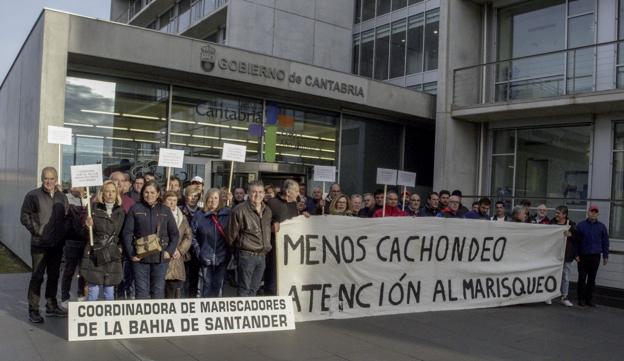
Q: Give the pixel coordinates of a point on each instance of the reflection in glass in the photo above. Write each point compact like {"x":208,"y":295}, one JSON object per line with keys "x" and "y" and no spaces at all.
{"x":368,"y":9}
{"x":398,"y":4}
{"x":356,"y":54}
{"x":616,"y":228}
{"x":580,"y":6}
{"x":358,"y":11}
{"x":415,"y":43}
{"x":431,"y":39}
{"x":397,"y":49}
{"x":366,"y":53}
{"x":382,"y":47}
{"x":202,"y":121}
{"x":366,"y":145}
{"x":305,"y":136}
{"x":383,"y":7}
{"x":118,"y":123}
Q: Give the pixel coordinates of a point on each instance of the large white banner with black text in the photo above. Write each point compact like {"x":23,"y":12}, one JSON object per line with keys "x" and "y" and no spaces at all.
{"x":343,"y":267}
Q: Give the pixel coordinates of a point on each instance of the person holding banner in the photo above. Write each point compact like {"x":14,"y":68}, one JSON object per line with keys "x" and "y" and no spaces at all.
{"x":482,"y":212}
{"x":192,"y":198}
{"x":452,"y":210}
{"x":430,"y":209}
{"x":176,"y":274}
{"x":43,"y":214}
{"x":209,"y":242}
{"x":392,"y":209}
{"x":153,"y":224}
{"x":249,"y":232}
{"x":413,"y":208}
{"x":283,"y":207}
{"x":101,"y":263}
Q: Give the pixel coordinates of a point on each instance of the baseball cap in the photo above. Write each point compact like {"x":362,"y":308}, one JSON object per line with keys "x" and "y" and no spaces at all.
{"x":594,"y":208}
{"x":197,"y":179}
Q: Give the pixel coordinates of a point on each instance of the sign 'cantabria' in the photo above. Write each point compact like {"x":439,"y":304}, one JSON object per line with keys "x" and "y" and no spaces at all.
{"x":344,"y":267}
{"x":296,"y":76}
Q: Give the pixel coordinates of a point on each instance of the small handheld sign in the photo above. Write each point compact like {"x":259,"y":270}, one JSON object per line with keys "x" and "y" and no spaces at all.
{"x":61,"y":136}
{"x":87,"y":176}
{"x":406,"y":179}
{"x":386,"y":177}
{"x":170,"y":158}
{"x":324,"y":173}
{"x":233,"y":153}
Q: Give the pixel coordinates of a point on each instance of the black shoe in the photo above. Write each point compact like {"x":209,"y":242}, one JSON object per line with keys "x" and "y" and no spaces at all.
{"x":590,"y":304}
{"x":55,"y":311}
{"x":581,"y":304}
{"x":35,"y":317}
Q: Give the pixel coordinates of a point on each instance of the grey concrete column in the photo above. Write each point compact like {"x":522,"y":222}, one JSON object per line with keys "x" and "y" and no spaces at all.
{"x":457,"y":141}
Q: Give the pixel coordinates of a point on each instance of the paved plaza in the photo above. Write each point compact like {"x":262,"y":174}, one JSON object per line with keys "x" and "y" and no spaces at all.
{"x":527,"y":332}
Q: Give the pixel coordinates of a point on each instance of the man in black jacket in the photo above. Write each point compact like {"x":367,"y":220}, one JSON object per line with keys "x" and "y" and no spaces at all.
{"x":43,"y":214}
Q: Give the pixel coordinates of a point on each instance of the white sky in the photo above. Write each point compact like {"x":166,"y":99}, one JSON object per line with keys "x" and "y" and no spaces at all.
{"x":18,"y":17}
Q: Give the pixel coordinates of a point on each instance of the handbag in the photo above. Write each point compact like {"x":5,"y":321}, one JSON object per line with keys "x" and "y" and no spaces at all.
{"x":148,"y":245}
{"x":107,"y":253}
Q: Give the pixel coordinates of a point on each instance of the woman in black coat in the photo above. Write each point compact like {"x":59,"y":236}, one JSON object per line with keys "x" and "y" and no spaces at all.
{"x":101,"y":263}
{"x":150,"y":217}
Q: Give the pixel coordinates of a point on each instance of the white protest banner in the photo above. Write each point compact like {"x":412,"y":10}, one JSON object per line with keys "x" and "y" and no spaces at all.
{"x":324,"y":173}
{"x":173,"y":158}
{"x":105,"y":320}
{"x":407,"y":179}
{"x":59,"y":135}
{"x":234,"y":152}
{"x":344,"y":267}
{"x":86,"y":175}
{"x":386,"y":176}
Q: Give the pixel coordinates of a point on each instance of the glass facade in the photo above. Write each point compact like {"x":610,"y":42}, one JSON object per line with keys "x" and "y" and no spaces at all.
{"x":616,"y":228}
{"x":406,"y":46}
{"x":543,"y":165}
{"x":118,"y":123}
{"x":122,"y":124}
{"x":539,"y":27}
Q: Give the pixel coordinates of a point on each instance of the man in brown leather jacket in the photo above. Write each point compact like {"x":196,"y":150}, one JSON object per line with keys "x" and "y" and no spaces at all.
{"x":249,"y":233}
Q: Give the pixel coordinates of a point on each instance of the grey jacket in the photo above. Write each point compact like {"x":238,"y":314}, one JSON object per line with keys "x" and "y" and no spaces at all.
{"x":44,"y":217}
{"x":249,"y":231}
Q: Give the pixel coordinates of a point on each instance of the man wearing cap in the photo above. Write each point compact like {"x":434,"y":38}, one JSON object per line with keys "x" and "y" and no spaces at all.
{"x":198,"y":181}
{"x":591,"y":240}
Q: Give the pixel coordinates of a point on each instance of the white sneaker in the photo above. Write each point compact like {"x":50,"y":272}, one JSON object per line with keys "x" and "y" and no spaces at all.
{"x":566,"y":302}
{"x":81,"y":299}
{"x":548,"y":302}
{"x":65,"y":304}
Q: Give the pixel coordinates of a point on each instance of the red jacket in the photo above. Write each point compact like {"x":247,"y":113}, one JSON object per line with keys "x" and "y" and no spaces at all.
{"x":390,"y":212}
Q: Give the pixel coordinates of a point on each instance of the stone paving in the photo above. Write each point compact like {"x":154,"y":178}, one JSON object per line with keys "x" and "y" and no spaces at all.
{"x":526,"y":332}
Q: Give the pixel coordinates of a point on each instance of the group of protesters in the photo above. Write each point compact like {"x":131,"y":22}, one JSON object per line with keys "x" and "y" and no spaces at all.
{"x":141,"y":241}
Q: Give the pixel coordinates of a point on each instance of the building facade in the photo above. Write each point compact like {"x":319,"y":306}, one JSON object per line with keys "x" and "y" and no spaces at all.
{"x":127,"y":91}
{"x":529,"y":106}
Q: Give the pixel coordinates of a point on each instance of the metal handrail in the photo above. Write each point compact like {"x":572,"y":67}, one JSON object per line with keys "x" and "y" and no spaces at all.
{"x":541,"y":54}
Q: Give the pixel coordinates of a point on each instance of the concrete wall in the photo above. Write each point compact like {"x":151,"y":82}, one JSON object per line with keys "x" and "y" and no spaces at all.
{"x":457,"y":141}
{"x":19,"y":121}
{"x":317,"y":32}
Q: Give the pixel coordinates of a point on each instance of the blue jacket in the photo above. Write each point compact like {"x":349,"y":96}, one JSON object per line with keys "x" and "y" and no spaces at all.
{"x":477,"y":215}
{"x":210,"y":246}
{"x":591,"y":238}
{"x":141,"y":221}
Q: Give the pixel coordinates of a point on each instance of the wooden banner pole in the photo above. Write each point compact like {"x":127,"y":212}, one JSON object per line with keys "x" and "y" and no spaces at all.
{"x":383,"y":212}
{"x":230,"y":182}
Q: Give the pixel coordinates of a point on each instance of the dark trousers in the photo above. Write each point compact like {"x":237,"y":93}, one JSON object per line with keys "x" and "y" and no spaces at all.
{"x":270,"y":274}
{"x":125,"y":289}
{"x":149,"y":280}
{"x":250,"y":272}
{"x":212,"y":279}
{"x":191,"y":284}
{"x":587,"y":270}
{"x":44,"y":261}
{"x":72,"y":255}
{"x":174,"y":288}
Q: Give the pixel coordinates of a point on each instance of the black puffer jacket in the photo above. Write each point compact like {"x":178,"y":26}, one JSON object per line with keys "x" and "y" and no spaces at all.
{"x":44,"y":217}
{"x":143,"y":220}
{"x":105,"y":229}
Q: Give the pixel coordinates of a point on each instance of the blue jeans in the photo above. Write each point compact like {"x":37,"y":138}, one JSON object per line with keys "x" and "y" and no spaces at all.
{"x":250,"y":272}
{"x":94,"y":292}
{"x":565,"y":278}
{"x":149,"y":280}
{"x":212,"y":279}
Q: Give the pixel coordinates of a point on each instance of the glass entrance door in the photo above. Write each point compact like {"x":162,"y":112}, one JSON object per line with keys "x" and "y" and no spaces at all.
{"x":194,"y":166}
